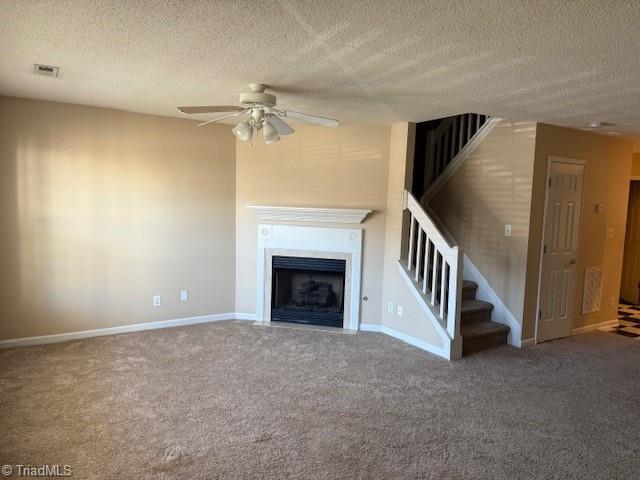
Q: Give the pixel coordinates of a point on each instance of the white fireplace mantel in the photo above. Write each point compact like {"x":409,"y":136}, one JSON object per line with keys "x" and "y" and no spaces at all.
{"x":266,"y":213}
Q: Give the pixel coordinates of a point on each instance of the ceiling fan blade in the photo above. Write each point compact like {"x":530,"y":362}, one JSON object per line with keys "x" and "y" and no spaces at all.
{"x":325,"y":122}
{"x":280,"y":125}
{"x":228,"y":115}
{"x":210,"y":109}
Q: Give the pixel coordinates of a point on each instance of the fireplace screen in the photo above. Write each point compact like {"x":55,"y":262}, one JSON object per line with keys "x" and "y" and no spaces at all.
{"x":308,"y":290}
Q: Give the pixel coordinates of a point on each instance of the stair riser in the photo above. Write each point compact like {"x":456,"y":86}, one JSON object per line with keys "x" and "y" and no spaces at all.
{"x":483,"y":342}
{"x":469,"y":293}
{"x":476,"y":316}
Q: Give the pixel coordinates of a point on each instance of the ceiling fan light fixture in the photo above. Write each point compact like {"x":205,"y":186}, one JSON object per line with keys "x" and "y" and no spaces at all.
{"x":243,"y":131}
{"x":271,"y":135}
{"x":264,"y":115}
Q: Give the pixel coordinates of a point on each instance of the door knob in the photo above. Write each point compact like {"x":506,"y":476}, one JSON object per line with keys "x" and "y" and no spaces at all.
{"x":573,"y":261}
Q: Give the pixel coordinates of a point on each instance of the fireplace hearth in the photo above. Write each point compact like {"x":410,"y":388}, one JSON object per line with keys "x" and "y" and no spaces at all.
{"x":308,"y":290}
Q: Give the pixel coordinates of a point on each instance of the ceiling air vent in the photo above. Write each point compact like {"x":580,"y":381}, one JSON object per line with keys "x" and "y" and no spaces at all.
{"x":45,"y":70}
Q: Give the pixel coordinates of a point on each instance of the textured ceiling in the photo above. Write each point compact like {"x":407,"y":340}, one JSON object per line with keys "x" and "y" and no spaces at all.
{"x":564,"y":62}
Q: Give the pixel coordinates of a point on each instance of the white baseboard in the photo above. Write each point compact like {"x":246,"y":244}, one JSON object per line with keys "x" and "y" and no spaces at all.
{"x":595,"y":326}
{"x":370,"y":327}
{"x":245,"y":316}
{"x":527,"y":342}
{"x":501,"y":313}
{"x":137,"y":327}
{"x":421,"y":344}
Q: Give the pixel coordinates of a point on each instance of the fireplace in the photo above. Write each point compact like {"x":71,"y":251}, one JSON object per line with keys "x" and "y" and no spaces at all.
{"x":308,"y":290}
{"x":341,"y":246}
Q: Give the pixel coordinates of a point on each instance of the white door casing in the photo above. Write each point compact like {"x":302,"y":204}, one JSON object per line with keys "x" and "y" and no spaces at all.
{"x":563,"y":209}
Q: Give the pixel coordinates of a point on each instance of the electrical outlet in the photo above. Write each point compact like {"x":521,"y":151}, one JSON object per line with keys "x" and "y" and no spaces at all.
{"x":507,"y":230}
{"x":400,"y":310}
{"x":157,"y":300}
{"x":390,"y":307}
{"x":612,"y":301}
{"x":184,"y":295}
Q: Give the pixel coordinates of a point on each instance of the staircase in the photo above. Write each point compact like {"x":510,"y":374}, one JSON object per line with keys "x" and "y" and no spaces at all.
{"x":477,"y":330}
{"x":431,"y":262}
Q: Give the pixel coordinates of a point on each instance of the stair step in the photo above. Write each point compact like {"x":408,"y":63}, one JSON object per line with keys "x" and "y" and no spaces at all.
{"x":478,"y":336}
{"x":473,"y":311}
{"x":469,"y":290}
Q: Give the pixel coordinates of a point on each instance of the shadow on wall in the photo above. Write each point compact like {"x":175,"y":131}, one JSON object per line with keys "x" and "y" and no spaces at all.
{"x":77,"y":230}
{"x":103,"y":209}
{"x":10,"y":273}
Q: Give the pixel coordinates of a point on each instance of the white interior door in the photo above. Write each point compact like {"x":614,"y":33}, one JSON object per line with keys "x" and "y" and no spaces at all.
{"x":560,"y":251}
{"x":631,"y":263}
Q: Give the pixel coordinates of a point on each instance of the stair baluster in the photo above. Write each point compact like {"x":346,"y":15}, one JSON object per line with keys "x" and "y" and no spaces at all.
{"x":438,"y":144}
{"x":435,"y":267}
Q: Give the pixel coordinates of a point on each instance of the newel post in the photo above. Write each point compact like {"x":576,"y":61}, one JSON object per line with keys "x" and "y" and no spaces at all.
{"x":455,"y":302}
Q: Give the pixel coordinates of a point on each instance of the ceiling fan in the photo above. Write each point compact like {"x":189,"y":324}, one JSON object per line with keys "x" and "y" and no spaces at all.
{"x":264,"y":115}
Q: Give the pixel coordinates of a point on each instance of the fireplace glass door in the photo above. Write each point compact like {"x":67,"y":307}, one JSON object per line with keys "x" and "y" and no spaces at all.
{"x":308,"y":290}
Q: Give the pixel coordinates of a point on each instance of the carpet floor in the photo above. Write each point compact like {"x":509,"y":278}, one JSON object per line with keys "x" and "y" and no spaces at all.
{"x":235,"y":401}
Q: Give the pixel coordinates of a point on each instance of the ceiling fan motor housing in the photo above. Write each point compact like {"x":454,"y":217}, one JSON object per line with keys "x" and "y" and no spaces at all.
{"x":258,"y":98}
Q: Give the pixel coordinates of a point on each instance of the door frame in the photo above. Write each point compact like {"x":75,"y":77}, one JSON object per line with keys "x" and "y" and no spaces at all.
{"x":634,"y":178}
{"x":550,"y":160}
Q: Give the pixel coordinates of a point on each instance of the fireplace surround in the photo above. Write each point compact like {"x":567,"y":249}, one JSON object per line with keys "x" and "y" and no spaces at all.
{"x":311,"y":243}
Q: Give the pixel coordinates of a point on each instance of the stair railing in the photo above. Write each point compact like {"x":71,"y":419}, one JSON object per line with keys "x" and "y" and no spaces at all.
{"x":435,"y":267}
{"x":446,"y":141}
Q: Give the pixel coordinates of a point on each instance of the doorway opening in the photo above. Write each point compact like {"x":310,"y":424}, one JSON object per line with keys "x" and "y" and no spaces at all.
{"x":629,"y":304}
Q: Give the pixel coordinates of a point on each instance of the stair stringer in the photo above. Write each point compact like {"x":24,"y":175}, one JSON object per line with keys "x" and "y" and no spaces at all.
{"x":500,"y":313}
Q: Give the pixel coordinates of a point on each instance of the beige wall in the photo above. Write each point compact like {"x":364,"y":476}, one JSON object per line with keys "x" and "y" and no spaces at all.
{"x":414,"y":321}
{"x":317,"y":167}
{"x":608,"y":163}
{"x":102,"y":209}
{"x":491,"y":189}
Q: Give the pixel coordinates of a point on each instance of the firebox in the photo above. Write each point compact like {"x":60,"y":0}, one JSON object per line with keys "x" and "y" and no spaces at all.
{"x":308,"y":290}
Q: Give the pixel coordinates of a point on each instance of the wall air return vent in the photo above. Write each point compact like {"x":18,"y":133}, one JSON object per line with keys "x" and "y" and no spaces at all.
{"x":45,"y":70}
{"x":592,"y":293}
